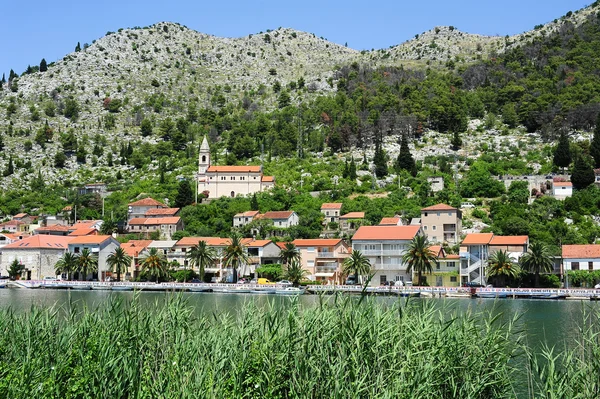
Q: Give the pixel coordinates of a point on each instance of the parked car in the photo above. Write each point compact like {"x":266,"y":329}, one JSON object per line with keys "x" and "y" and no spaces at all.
{"x":243,"y":280}
{"x":467,"y":205}
{"x":49,"y":278}
{"x":195,"y":281}
{"x":473,"y":285}
{"x":284,"y":282}
{"x":350,"y":281}
{"x":399,"y":283}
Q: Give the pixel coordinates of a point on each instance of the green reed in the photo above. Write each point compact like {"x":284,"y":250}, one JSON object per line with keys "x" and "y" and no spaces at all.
{"x":340,"y":348}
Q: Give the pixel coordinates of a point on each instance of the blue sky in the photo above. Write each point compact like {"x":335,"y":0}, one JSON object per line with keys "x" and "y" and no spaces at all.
{"x":50,"y":29}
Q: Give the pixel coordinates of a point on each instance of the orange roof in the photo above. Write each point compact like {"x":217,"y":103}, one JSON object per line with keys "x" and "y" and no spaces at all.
{"x":134,"y":247}
{"x":19,"y":215}
{"x":68,"y":208}
{"x":56,"y":227}
{"x":332,"y":205}
{"x":85,"y":224}
{"x":210,"y":241}
{"x":165,"y":220}
{"x":562,"y":184}
{"x":259,"y":243}
{"x":162,"y":212}
{"x":277,"y":215}
{"x":353,"y":215}
{"x":478,"y":239}
{"x":390,"y":221}
{"x":267,"y":179}
{"x":137,"y":221}
{"x":386,"y":233}
{"x":509,"y":240}
{"x":12,"y":223}
{"x":83,"y":232}
{"x":435,"y":249}
{"x":439,"y":207}
{"x":249,"y":214}
{"x":316,"y":242}
{"x":591,"y":251}
{"x":98,"y":239}
{"x":41,"y":241}
{"x":148,"y":202}
{"x":234,"y":169}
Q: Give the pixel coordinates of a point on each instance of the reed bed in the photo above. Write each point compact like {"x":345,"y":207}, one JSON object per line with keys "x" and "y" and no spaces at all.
{"x":341,"y":348}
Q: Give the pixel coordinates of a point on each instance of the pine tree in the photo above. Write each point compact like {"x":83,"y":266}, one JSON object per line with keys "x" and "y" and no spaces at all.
{"x":109,"y":158}
{"x":78,"y":47}
{"x":380,"y":161}
{"x":1,"y":143}
{"x":562,"y":153}
{"x":3,"y":81}
{"x":405,"y":160}
{"x":10,"y":168}
{"x":456,"y":141}
{"x":583,"y":174}
{"x":595,"y":145}
{"x":43,"y":65}
{"x":81,"y":153}
{"x":346,"y":171}
{"x":254,"y":203}
{"x":352,"y":174}
{"x":185,"y":195}
{"x":59,"y":159}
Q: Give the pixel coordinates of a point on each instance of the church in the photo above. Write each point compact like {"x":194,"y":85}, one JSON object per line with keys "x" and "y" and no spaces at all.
{"x":229,"y":181}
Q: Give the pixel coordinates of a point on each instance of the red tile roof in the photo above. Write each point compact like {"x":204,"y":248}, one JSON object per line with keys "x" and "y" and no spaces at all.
{"x":509,"y":240}
{"x":55,"y":227}
{"x":234,"y":169}
{"x":165,"y":220}
{"x":353,"y":215}
{"x":83,"y":232}
{"x":85,"y":224}
{"x":477,"y":239}
{"x":97,"y":239}
{"x":249,"y":214}
{"x":162,"y":212}
{"x":591,"y":251}
{"x":148,"y":202}
{"x":277,"y":215}
{"x":134,"y":247}
{"x":331,"y":205}
{"x":41,"y":241}
{"x":390,"y":221}
{"x":259,"y":243}
{"x":210,"y":241}
{"x":268,"y":179}
{"x":136,"y":221}
{"x":562,"y":184}
{"x":386,"y":233}
{"x":19,"y":216}
{"x":439,"y":207}
{"x":317,"y":242}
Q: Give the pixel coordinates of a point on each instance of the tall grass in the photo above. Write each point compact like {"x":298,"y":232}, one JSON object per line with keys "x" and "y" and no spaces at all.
{"x":340,"y":348}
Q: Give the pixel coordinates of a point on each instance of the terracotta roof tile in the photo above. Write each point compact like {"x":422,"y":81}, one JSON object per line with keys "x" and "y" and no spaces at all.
{"x":386,"y":233}
{"x":353,"y":215}
{"x":234,"y":169}
{"x":210,"y":241}
{"x":509,"y":240}
{"x":439,"y":207}
{"x":165,"y":220}
{"x":134,"y":247}
{"x":332,"y":205}
{"x":249,"y":214}
{"x":55,"y":227}
{"x":259,"y":243}
{"x":148,"y":202}
{"x":19,"y":216}
{"x":477,"y":239}
{"x":85,"y":224}
{"x":268,"y":179}
{"x":329,"y":242}
{"x":97,"y":239}
{"x":83,"y":232}
{"x":562,"y":184}
{"x":136,"y":221}
{"x":162,"y":212}
{"x":395,"y":221}
{"x":40,"y":241}
{"x":277,"y":215}
{"x":591,"y":251}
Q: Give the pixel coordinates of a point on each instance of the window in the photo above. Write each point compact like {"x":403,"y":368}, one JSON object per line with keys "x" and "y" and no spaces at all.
{"x":453,"y":279}
{"x":222,"y":177}
{"x":434,"y":238}
{"x":242,"y":178}
{"x":434,"y":228}
{"x":76,"y":250}
{"x":327,"y":213}
{"x":437,"y":265}
{"x":310,"y":263}
{"x":310,"y":249}
{"x":232,"y":178}
{"x":425,"y":228}
{"x":590,"y":265}
{"x":425,"y":214}
{"x":451,"y":264}
{"x":203,"y":158}
{"x":449,"y":213}
{"x":382,"y":279}
{"x":439,"y":213}
{"x":574,"y":265}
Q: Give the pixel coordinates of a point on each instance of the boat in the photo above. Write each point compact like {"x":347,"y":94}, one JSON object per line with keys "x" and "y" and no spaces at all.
{"x":3,"y":284}
{"x":577,"y":298}
{"x":80,"y":287}
{"x":458,"y":294}
{"x":411,"y":294}
{"x":491,"y":294}
{"x":101,"y":287}
{"x":201,"y":289}
{"x":427,"y":294}
{"x":122,"y":288}
{"x":290,"y":291}
{"x":240,"y":290}
{"x":264,"y":291}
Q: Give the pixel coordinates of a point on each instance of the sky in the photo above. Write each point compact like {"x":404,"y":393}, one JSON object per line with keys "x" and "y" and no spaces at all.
{"x":51,"y":29}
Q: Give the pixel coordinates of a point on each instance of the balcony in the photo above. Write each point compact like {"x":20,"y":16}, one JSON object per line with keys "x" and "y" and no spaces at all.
{"x":383,"y":253}
{"x":326,"y":254}
{"x":326,"y":269}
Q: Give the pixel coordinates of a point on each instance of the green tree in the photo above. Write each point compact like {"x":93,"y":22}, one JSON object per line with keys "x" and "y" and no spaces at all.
{"x":81,"y":153}
{"x":537,"y":260}
{"x":43,"y":65}
{"x":86,"y":263}
{"x":78,"y":47}
{"x":146,"y":127}
{"x":15,"y":269}
{"x":185,"y":195}
{"x":59,"y":159}
{"x":509,"y":115}
{"x":595,"y":144}
{"x":67,"y":264}
{"x":456,"y":141}
{"x":235,"y":254}
{"x":380,"y":161}
{"x":356,"y":264}
{"x":119,"y":261}
{"x":201,"y":256}
{"x":562,"y":153}
{"x":518,"y":192}
{"x":109,"y":227}
{"x":501,"y":266}
{"x":289,"y":253}
{"x":154,"y":264}
{"x":71,"y":110}
{"x":405,"y":160}
{"x":294,"y":272}
{"x":419,"y":258}
{"x":583,"y":174}
{"x":254,"y":203}
{"x":10,"y":168}
{"x":284,"y":99}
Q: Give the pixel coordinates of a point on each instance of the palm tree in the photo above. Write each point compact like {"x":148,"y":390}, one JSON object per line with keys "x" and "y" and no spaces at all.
{"x":289,"y":253}
{"x":201,"y":255}
{"x":154,"y":264}
{"x":235,"y":254}
{"x":87,"y":262}
{"x":500,"y":265}
{"x":356,"y":264}
{"x":537,"y":260}
{"x":66,"y":264}
{"x":108,"y":227}
{"x":294,"y":272}
{"x":419,"y":257}
{"x":119,"y":261}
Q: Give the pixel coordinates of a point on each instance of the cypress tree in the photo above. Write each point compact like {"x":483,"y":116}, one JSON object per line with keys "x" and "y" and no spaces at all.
{"x":380,"y":161}
{"x":43,"y":65}
{"x":78,"y":47}
{"x":254,"y":203}
{"x":456,"y":141}
{"x":10,"y":168}
{"x":3,"y":79}
{"x":583,"y":174}
{"x":595,"y":145}
{"x":185,"y":195}
{"x":346,"y":171}
{"x":562,"y":153}
{"x":1,"y":143}
{"x":352,"y":173}
{"x":405,"y":160}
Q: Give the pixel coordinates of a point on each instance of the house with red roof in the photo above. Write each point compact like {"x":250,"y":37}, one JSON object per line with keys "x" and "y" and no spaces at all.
{"x":393,"y":221}
{"x":38,"y":254}
{"x":9,"y":238}
{"x":139,"y":208}
{"x":384,"y":246}
{"x":446,"y":272}
{"x":281,"y":219}
{"x":580,"y":257}
{"x":351,"y":221}
{"x":323,"y":258}
{"x":229,"y":180}
{"x":165,"y":226}
{"x":442,"y":223}
{"x":99,"y":245}
{"x":562,"y":189}
{"x":244,"y":218}
{"x":477,"y":248}
{"x":331,"y":211}
{"x":134,"y":248}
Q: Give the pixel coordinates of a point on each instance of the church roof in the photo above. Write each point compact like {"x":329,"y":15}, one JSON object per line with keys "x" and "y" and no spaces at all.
{"x":204,"y":146}
{"x":234,"y":169}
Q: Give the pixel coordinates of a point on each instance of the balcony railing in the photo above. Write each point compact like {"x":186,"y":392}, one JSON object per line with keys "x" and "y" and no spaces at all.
{"x":396,"y":252}
{"x":326,"y":254}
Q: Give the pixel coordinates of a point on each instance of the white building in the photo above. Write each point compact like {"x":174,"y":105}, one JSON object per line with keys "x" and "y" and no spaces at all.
{"x":229,"y":181}
{"x":581,"y":257}
{"x":562,"y":190}
{"x":38,"y":254}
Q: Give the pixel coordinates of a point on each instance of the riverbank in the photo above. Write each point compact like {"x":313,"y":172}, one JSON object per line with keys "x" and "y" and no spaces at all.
{"x":434,"y":292}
